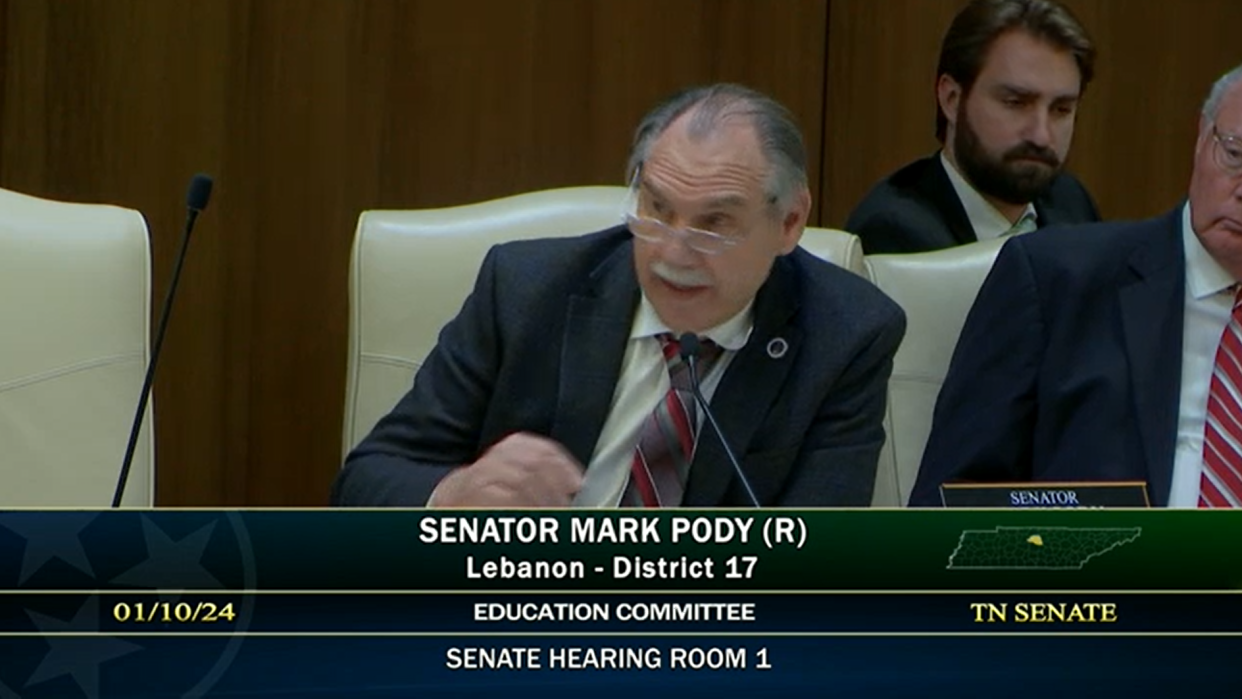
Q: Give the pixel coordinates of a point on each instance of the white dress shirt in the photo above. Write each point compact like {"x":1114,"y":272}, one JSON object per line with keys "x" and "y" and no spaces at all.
{"x":1208,"y":306}
{"x":988,"y":222}
{"x":641,"y":386}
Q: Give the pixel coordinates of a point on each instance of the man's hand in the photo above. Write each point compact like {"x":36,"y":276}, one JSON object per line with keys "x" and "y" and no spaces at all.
{"x":521,"y":470}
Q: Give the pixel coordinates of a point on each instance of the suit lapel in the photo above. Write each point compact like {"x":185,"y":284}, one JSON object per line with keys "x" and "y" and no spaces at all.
{"x":1065,"y":202}
{"x":1047,"y":215}
{"x":751,"y":385}
{"x":1152,"y":315}
{"x":936,"y":186}
{"x":597,"y":328}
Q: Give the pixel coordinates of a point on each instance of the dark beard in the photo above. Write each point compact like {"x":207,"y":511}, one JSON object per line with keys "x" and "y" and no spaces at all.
{"x":1013,"y":179}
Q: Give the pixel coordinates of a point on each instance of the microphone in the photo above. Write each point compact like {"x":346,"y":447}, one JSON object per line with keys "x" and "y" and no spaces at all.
{"x":196,"y":198}
{"x":689,"y":343}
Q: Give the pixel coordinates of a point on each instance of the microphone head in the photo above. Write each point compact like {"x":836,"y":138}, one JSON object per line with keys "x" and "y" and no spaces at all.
{"x":689,"y":343}
{"x":199,"y":193}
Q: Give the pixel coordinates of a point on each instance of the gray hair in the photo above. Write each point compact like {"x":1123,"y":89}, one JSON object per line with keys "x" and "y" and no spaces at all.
{"x":1211,"y":106}
{"x":779,"y":137}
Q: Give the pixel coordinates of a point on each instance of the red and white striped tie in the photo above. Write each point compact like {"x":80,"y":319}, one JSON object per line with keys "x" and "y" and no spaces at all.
{"x":661,"y":461}
{"x":1221,"y":484}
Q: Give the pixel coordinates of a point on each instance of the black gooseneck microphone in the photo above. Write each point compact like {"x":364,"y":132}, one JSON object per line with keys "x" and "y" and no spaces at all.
{"x":689,"y":343}
{"x":196,"y":198}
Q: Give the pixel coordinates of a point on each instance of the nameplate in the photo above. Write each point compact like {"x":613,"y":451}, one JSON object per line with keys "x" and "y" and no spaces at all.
{"x":1046,"y":495}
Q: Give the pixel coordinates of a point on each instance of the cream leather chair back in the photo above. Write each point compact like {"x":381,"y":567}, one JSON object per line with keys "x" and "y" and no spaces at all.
{"x":74,"y":312}
{"x":412,"y":270}
{"x":836,"y":246}
{"x":936,"y":289}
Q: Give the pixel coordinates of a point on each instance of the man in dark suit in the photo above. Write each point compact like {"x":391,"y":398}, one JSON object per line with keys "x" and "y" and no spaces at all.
{"x":1110,"y":351}
{"x":1009,"y":81}
{"x":558,"y":383}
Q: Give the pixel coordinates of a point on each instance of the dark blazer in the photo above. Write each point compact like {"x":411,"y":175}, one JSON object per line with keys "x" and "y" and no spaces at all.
{"x":916,"y":209}
{"x":538,"y":347}
{"x":1069,"y":365}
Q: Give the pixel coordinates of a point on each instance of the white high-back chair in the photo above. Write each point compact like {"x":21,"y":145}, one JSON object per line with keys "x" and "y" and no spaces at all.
{"x":412,"y":270}
{"x":74,"y":312}
{"x":936,"y":290}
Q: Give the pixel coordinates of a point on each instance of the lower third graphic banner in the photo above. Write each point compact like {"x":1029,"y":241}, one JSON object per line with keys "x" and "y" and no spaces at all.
{"x":413,"y":603}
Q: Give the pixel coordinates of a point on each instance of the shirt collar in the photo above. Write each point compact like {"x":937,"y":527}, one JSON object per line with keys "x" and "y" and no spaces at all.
{"x":1204,"y":275}
{"x":731,"y":334}
{"x":984,"y":218}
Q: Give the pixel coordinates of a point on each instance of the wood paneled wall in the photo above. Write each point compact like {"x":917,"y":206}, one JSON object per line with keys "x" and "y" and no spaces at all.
{"x":310,"y":111}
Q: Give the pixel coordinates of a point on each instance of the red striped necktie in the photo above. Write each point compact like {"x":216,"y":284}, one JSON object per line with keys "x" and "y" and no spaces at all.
{"x":1221,"y":484}
{"x":661,"y":462}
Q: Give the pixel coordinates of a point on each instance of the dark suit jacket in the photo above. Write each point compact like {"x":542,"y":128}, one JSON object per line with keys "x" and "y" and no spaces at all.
{"x":538,"y":347}
{"x":916,"y":209}
{"x":1069,"y":365}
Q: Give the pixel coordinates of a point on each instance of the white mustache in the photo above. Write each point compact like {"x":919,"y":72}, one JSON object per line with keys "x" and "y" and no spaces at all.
{"x":680,"y":276}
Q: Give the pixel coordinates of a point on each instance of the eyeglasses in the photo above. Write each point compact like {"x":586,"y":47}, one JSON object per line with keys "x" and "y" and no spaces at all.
{"x":699,"y":240}
{"x":656,"y":231}
{"x":1227,"y":151}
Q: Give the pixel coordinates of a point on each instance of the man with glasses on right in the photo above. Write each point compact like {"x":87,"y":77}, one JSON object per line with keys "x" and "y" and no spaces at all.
{"x":1114,"y":355}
